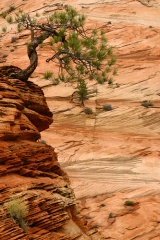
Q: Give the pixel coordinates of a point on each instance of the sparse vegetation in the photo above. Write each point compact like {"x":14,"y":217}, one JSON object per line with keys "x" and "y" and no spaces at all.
{"x":115,"y":72}
{"x":88,"y":111}
{"x":4,"y":29}
{"x":102,"y":205}
{"x":18,"y":211}
{"x":55,"y":81}
{"x":96,"y":226}
{"x":11,"y":8}
{"x":9,"y":19}
{"x":129,"y":203}
{"x":107,"y":107}
{"x":110,"y":215}
{"x":4,"y":55}
{"x":81,"y":53}
{"x":48,"y":74}
{"x":37,"y":14}
{"x":13,"y":39}
{"x":147,"y":104}
{"x":110,"y":81}
{"x":87,"y":217}
{"x":4,"y":14}
{"x":82,"y":90}
{"x":19,"y":28}
{"x":42,"y":141}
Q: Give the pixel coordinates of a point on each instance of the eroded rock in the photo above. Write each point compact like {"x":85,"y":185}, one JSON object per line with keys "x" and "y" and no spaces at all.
{"x":30,"y":171}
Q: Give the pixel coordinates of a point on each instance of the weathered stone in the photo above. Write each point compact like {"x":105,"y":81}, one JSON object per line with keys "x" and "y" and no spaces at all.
{"x":29,"y":169}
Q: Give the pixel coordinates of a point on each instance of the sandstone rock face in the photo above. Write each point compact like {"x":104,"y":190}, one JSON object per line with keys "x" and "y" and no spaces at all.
{"x":111,"y":156}
{"x":24,"y":112}
{"x":29,"y":169}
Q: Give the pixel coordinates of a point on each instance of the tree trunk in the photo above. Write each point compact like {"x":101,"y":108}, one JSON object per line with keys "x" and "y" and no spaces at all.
{"x":33,"y":57}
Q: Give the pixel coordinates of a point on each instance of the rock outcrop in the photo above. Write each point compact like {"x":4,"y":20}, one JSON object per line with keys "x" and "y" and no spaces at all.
{"x":29,"y":169}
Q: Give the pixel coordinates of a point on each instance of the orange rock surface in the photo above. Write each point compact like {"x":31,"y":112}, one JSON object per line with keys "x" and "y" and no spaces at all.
{"x":29,"y":169}
{"x":111,"y":156}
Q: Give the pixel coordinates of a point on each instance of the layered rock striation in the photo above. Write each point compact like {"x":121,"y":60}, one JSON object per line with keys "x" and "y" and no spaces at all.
{"x":29,"y":169}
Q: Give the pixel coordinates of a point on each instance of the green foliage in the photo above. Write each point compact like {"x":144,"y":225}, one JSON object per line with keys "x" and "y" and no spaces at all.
{"x":13,"y":39}
{"x":110,"y":81}
{"x":37,"y":14}
{"x":42,"y":141}
{"x":19,"y":28}
{"x":81,"y":54}
{"x":88,"y":111}
{"x":115,"y":72}
{"x":82,"y":90}
{"x":147,"y":104}
{"x":11,"y":8}
{"x":48,"y":75}
{"x":55,"y":81}
{"x":21,"y":16}
{"x":107,"y":107}
{"x":4,"y":29}
{"x":129,"y":203}
{"x":18,"y":211}
{"x":112,"y":61}
{"x":4,"y":14}
{"x":69,"y":16}
{"x":9,"y":19}
{"x":88,"y":50}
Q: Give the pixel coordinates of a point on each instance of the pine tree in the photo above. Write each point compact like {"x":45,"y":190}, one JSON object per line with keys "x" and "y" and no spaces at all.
{"x":82,"y":54}
{"x":82,"y":91}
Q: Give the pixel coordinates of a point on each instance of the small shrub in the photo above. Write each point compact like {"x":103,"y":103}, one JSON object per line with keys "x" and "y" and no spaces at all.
{"x":4,"y":14}
{"x":37,"y":14}
{"x":13,"y":39}
{"x":48,"y":75}
{"x":55,"y":81}
{"x":102,"y":205}
{"x":88,"y":111}
{"x":19,"y":28}
{"x":43,"y":141}
{"x":115,"y":72}
{"x":96,"y":226}
{"x":129,"y":203}
{"x":107,"y":107}
{"x":11,"y":8}
{"x":147,"y":104}
{"x":110,"y":215}
{"x":110,"y":81}
{"x":9,"y":19}
{"x":18,"y":210}
{"x":4,"y":56}
{"x":4,"y":29}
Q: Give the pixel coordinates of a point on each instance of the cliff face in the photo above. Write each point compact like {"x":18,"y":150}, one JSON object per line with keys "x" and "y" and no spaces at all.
{"x":29,"y":168}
